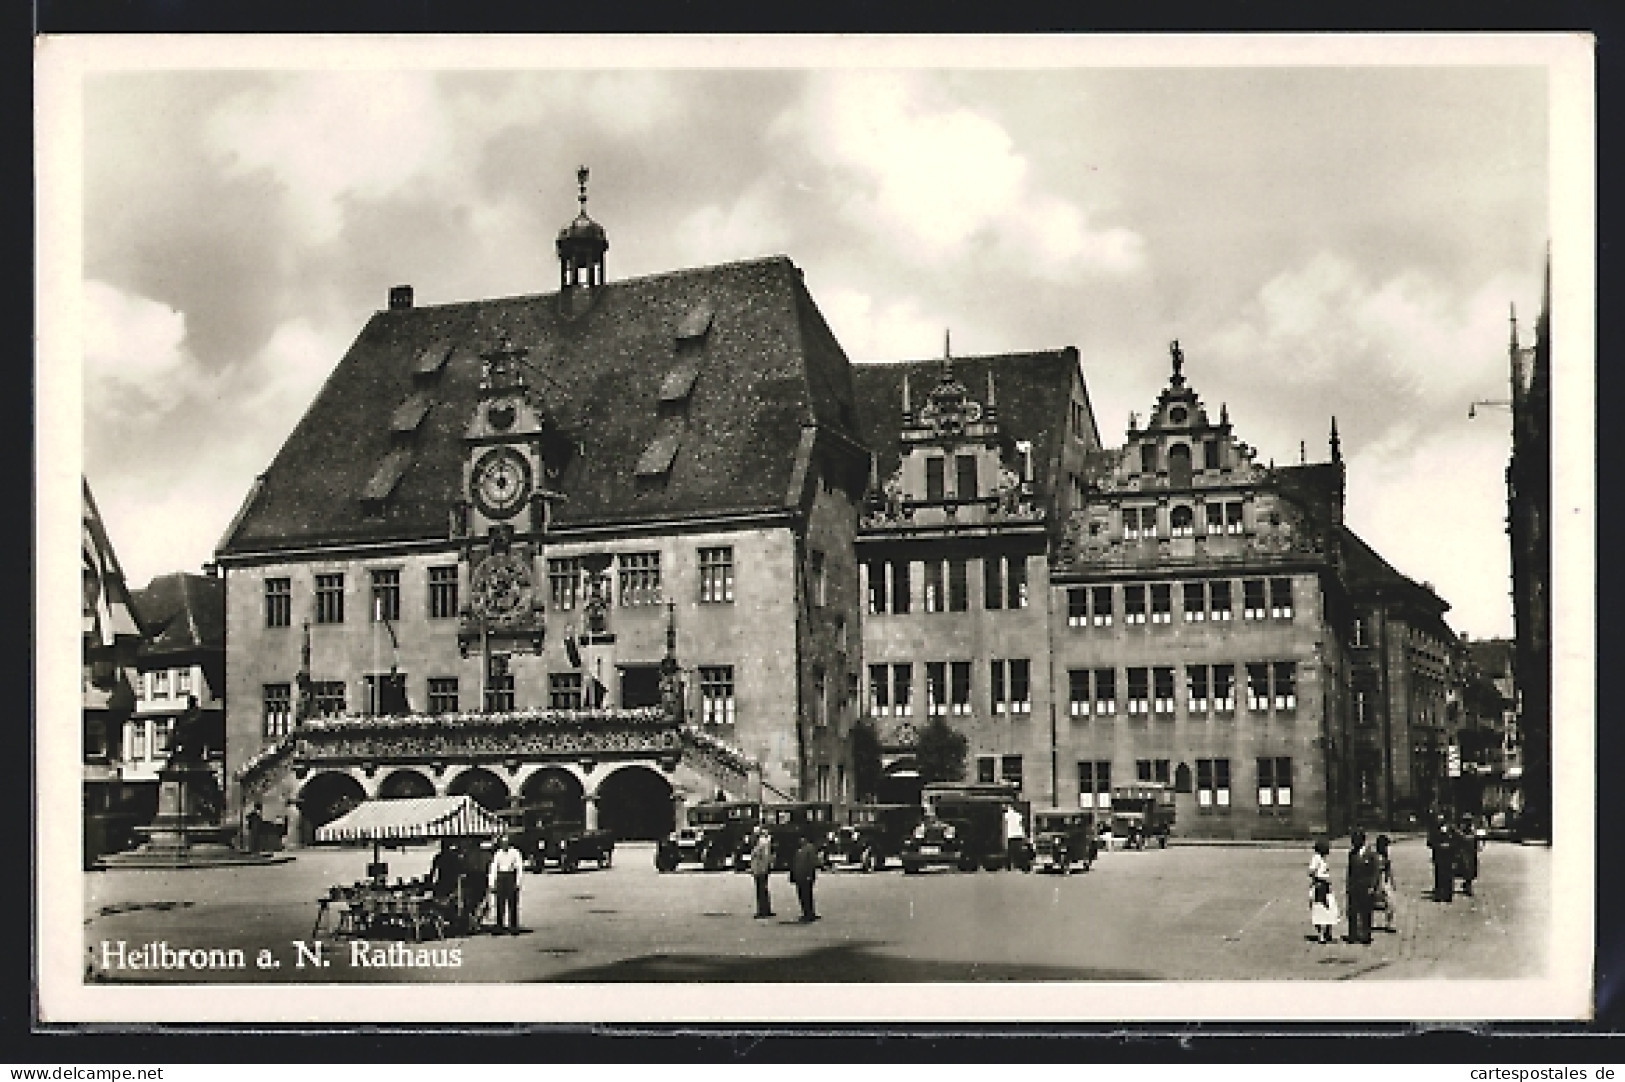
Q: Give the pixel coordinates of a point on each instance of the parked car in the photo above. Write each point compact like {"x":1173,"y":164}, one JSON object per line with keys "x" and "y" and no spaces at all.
{"x":934,"y":842}
{"x":1143,"y":812}
{"x":718,"y":834}
{"x":1063,"y":840}
{"x":544,"y":840}
{"x":787,"y":824}
{"x":874,"y":834}
{"x":975,"y":810}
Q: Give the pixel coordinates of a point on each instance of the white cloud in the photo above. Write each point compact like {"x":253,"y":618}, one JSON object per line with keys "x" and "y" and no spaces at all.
{"x":289,"y":370}
{"x":130,"y":338}
{"x":752,"y":225}
{"x":893,"y":330}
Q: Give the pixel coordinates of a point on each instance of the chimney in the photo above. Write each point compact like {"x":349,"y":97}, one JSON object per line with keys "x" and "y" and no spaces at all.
{"x":400,"y":297}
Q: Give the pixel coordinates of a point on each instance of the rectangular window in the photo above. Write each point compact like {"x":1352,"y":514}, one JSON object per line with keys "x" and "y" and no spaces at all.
{"x":442,"y":695}
{"x":717,"y":575}
{"x":1196,"y":688}
{"x":1286,"y":685}
{"x":879,"y":690}
{"x":564,"y":691}
{"x":183,"y":683}
{"x":160,"y":684}
{"x":1215,"y":518}
{"x":1156,"y":771}
{"x":959,"y":686}
{"x":1162,"y":690}
{"x":877,"y":587}
{"x":901,"y":591}
{"x":328,"y":697}
{"x":1105,"y":692}
{"x":640,"y":578}
{"x":1360,"y":631}
{"x":1095,"y":784}
{"x":1232,"y":517}
{"x":902,"y":689}
{"x":1101,"y":612}
{"x":965,"y":477}
{"x":1274,"y":782}
{"x":499,"y":693}
{"x":935,"y":485}
{"x":330,"y":599}
{"x":992,"y":582}
{"x":823,"y":781}
{"x":1077,"y":606}
{"x":987,"y":767}
{"x":1258,"y":686}
{"x":1219,"y":604}
{"x":936,"y":688}
{"x":996,"y":689}
{"x":162,"y":731}
{"x":1139,"y":522}
{"x":442,"y":592}
{"x":1224,"y":689}
{"x":1148,"y":522}
{"x":1362,"y":707}
{"x":564,"y":583}
{"x":716,"y":694}
{"x":1015,"y":592}
{"x":1195,"y":602}
{"x":820,"y":698}
{"x":1162,"y":603}
{"x":1010,"y":770}
{"x":278,"y":603}
{"x":1210,"y":454}
{"x":820,"y":593}
{"x":1252,"y":599}
{"x":1139,"y":690}
{"x":934,"y":586}
{"x":384,"y":693}
{"x":1021,"y":694}
{"x":958,"y":585}
{"x":1134,"y":604}
{"x":386,"y":596}
{"x":1281,"y":599}
{"x":278,"y":710}
{"x":1077,"y":692}
{"x":1212,"y":783}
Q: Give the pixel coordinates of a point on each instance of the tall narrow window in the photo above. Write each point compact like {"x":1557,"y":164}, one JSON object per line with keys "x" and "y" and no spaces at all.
{"x":443,"y":592}
{"x":1077,"y":606}
{"x":1015,"y":593}
{"x":1105,"y":692}
{"x":564,"y":582}
{"x":819,"y":591}
{"x":1134,"y":604}
{"x":1148,"y":458}
{"x":935,"y":484}
{"x":820,"y":698}
{"x":1195,"y":602}
{"x":902,"y":685}
{"x":1095,"y":784}
{"x":965,"y":477}
{"x":1360,"y":633}
{"x":1077,"y":692}
{"x":901,"y":595}
{"x":987,"y":767}
{"x":1212,"y":783}
{"x":278,"y":710}
{"x":996,"y":687}
{"x":959,"y":676}
{"x":716,"y":694}
{"x":1224,"y":689}
{"x":278,"y":602}
{"x":640,"y":578}
{"x":1219,"y":603}
{"x":1021,"y":694}
{"x":1101,"y":605}
{"x":1274,"y":782}
{"x":1162,"y":691}
{"x":1010,"y":770}
{"x":1258,"y":686}
{"x":1215,"y":518}
{"x":1131,"y":523}
{"x":1281,"y":599}
{"x":717,"y":575}
{"x":877,"y":586}
{"x":330,"y":598}
{"x":935,"y":601}
{"x":499,"y":685}
{"x":1162,"y":602}
{"x":1139,"y":689}
{"x":1286,"y":685}
{"x":936,"y":688}
{"x":1232,"y":517}
{"x":993,"y":582}
{"x":386,"y":596}
{"x":1362,"y":707}
{"x":1252,"y":599}
{"x":879,"y":690}
{"x":1181,"y":522}
{"x":1148,"y":522}
{"x":1196,"y":689}
{"x":1210,"y":454}
{"x":1179,"y":465}
{"x":443,"y":694}
{"x":958,"y":585}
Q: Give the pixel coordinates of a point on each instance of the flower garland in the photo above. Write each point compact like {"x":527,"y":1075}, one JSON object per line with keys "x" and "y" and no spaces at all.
{"x":652,"y":716}
{"x":264,"y":757}
{"x":730,"y":756}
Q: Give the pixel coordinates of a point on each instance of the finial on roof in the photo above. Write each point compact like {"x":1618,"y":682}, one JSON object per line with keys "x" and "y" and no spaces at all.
{"x":906,"y":410}
{"x":1513,"y":318}
{"x":1224,"y":413}
{"x":992,"y":396}
{"x":947,"y":355}
{"x":1336,"y":443}
{"x":582,"y":173}
{"x":1178,"y":356}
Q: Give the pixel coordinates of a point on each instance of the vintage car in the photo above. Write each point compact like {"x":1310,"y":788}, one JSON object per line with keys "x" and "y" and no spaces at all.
{"x":787,"y":824}
{"x":545,"y":840}
{"x":718,"y":834}
{"x":874,"y":834}
{"x":975,"y":812}
{"x":1143,"y":812}
{"x":1063,"y":840}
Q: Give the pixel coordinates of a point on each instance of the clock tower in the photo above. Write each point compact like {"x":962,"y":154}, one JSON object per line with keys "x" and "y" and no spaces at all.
{"x":502,"y":517}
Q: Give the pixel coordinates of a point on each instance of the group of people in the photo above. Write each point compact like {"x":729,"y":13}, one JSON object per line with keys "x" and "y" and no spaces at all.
{"x":803,"y":873}
{"x":467,"y":877}
{"x":1370,"y":887}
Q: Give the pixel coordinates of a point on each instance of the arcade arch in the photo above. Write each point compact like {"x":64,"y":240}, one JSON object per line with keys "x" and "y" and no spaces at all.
{"x":635,"y":803}
{"x":399,"y":784}
{"x":324,"y":797}
{"x":489,"y":791}
{"x":558,"y":788}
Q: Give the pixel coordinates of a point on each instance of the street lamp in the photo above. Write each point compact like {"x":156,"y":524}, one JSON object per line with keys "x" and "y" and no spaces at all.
{"x":1472,"y":407}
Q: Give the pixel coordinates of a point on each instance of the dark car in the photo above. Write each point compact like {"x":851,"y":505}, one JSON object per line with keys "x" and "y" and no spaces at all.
{"x":935,"y":842}
{"x":976,"y":810}
{"x":1063,"y":840}
{"x":544,"y":840}
{"x":718,"y":834}
{"x":874,"y":834}
{"x":787,"y":824}
{"x":1143,"y":812}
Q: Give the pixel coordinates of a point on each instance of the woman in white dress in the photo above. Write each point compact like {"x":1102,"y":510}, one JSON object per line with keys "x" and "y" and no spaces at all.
{"x":1322,"y":902}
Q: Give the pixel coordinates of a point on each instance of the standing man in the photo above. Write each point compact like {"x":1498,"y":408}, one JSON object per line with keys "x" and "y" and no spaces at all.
{"x":803,"y":871}
{"x":256,"y":817}
{"x":1362,"y":882}
{"x":506,"y":866}
{"x":1466,"y":849}
{"x":1444,"y":859}
{"x":761,"y":866}
{"x":1015,"y":837}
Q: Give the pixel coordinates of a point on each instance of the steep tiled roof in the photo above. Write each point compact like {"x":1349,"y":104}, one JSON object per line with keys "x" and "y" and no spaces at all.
{"x":1315,"y":486}
{"x":1366,"y":572}
{"x":1032,"y":391}
{"x":182,"y":612}
{"x":765,"y":364}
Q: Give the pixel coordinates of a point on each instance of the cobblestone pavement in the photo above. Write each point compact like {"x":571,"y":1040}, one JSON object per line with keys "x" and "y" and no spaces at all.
{"x":1185,"y":913}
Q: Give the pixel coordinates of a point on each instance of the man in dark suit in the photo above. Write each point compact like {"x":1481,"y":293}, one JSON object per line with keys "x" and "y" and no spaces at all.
{"x":803,"y":871}
{"x":1441,"y":839}
{"x":1362,"y":882}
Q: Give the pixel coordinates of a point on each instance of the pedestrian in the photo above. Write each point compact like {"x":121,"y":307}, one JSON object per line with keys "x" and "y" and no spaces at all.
{"x":761,"y":866}
{"x":445,"y":876}
{"x":1322,"y":903}
{"x":476,"y":871}
{"x":1362,"y":881}
{"x":506,"y":865}
{"x":1106,"y":836}
{"x":1015,"y":837}
{"x":803,"y":873}
{"x":1386,"y":894}
{"x":256,"y":817}
{"x":1441,"y":841}
{"x":1466,"y":853}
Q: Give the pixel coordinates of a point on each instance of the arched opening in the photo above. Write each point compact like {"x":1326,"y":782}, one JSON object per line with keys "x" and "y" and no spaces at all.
{"x":1182,"y":521}
{"x":1179,"y":466}
{"x":1182,"y":778}
{"x":405,"y":783}
{"x":489,"y":791}
{"x":900,"y":783}
{"x":327,"y":796}
{"x":634,"y":803}
{"x":557,"y":790}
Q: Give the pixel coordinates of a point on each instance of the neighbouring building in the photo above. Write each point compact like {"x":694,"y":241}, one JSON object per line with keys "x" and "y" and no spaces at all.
{"x":594,"y":546}
{"x":111,"y":640}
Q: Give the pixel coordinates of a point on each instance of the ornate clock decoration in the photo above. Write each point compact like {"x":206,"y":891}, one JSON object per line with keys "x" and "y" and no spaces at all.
{"x":503,"y":589}
{"x":502,"y":482}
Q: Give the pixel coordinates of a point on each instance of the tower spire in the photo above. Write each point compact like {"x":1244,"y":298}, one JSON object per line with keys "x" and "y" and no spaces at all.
{"x":1336,"y":443}
{"x":581,"y":244}
{"x":947,"y":355}
{"x":1178,"y":357}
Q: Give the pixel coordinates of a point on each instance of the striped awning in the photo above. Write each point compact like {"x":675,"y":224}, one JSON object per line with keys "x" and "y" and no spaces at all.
{"x":411,"y":817}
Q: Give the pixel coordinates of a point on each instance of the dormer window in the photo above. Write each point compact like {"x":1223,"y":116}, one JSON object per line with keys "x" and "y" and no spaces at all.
{"x":1148,"y":458}
{"x":965,"y":477}
{"x":936,"y":488}
{"x":1024,"y":459}
{"x":1210,"y":454}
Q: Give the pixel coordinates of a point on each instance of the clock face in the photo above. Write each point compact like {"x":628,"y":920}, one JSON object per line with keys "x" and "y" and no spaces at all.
{"x":502,"y":482}
{"x":502,"y":588}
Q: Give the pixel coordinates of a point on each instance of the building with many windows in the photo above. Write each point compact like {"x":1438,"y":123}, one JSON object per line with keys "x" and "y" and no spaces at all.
{"x":111,"y":640}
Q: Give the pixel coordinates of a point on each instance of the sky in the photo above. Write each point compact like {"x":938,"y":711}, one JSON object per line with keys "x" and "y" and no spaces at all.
{"x":1321,"y":240}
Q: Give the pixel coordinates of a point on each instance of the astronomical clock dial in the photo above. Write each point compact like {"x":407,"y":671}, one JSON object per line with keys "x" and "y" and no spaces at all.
{"x":502,"y":483}
{"x":502,"y":588}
